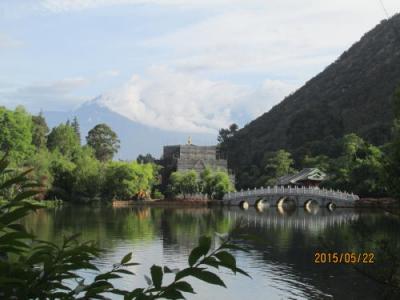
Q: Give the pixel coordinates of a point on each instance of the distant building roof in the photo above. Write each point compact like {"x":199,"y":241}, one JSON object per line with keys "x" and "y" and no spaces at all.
{"x":307,"y":174}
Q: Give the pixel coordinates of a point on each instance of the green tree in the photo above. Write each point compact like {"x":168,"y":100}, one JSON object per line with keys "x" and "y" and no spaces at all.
{"x":41,"y":162}
{"x":277,"y":164}
{"x":215,"y":184}
{"x":367,"y":174}
{"x":225,"y":137}
{"x":392,"y":164}
{"x":39,"y":131}
{"x":63,"y":139}
{"x":87,"y":175}
{"x":144,"y":159}
{"x":322,"y":162}
{"x":352,"y":146}
{"x":189,"y":183}
{"x":174,"y":186}
{"x":124,"y":180}
{"x":62,"y":170}
{"x":16,"y":134}
{"x":104,"y":141}
{"x":184,"y":183}
{"x":75,"y":125}
{"x":358,"y":169}
{"x":225,"y":134}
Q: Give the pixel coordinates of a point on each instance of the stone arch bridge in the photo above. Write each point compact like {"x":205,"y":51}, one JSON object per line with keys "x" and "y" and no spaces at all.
{"x":282,"y":196}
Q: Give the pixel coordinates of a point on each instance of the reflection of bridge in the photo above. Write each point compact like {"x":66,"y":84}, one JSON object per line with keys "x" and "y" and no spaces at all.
{"x":295,"y":196}
{"x":298,"y":219}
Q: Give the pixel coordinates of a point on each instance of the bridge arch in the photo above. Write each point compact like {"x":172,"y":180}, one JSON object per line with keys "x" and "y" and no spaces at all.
{"x":331,"y":206}
{"x":280,"y":201}
{"x":311,"y":206}
{"x":286,"y":205}
{"x":286,"y":202}
{"x":260,"y":204}
{"x":244,"y":205}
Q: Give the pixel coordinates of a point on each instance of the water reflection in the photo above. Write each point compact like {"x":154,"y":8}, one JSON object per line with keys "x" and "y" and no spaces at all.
{"x":281,"y":244}
{"x":315,"y":220}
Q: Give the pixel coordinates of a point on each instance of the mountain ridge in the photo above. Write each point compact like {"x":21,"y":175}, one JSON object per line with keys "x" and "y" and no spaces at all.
{"x":353,"y":94}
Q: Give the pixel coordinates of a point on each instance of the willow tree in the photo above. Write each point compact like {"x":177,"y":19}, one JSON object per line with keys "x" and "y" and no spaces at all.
{"x":184,"y":183}
{"x":125,"y":180}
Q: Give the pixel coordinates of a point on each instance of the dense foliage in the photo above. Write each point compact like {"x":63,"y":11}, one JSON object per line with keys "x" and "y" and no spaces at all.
{"x":352,"y":163}
{"x":125,"y":180}
{"x":39,"y":131}
{"x":184,"y":183}
{"x":359,"y":167}
{"x":63,"y":139}
{"x":144,"y":159}
{"x":352,"y":95}
{"x":213,"y":183}
{"x":392,"y":166}
{"x":276,"y":164}
{"x":66,"y":169}
{"x":35,"y":269}
{"x":16,"y":134}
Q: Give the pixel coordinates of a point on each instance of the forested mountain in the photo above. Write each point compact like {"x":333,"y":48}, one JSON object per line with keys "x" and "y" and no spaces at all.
{"x":352,"y":95}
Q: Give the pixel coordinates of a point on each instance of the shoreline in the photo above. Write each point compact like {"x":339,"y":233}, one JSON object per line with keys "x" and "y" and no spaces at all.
{"x":369,"y":202}
{"x":166,"y":203}
{"x":362,"y":203}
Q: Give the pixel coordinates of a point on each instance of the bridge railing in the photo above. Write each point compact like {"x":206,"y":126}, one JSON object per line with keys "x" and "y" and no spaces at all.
{"x":283,"y":190}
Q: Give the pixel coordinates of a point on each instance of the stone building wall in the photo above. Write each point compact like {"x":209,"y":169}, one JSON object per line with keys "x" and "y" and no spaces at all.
{"x":191,"y":157}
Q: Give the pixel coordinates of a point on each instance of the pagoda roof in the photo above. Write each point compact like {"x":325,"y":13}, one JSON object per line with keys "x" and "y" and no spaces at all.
{"x":312,"y":174}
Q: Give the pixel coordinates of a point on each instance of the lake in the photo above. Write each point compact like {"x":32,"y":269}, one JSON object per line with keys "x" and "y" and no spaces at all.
{"x":281,"y":246}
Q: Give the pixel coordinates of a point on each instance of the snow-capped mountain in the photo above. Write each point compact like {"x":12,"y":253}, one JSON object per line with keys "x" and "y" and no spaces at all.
{"x":135,"y":138}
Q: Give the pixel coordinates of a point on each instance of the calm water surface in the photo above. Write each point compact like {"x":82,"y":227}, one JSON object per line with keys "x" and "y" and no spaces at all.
{"x":281,"y":245}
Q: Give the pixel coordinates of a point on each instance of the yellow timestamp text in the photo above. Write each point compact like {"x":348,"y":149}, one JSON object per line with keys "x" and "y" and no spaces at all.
{"x":344,"y":258}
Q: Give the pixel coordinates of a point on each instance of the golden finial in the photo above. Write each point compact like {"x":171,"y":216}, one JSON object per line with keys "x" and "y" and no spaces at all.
{"x":189,"y":142}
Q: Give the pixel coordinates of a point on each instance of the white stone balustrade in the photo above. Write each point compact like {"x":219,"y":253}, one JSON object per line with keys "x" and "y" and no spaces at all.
{"x":310,"y":191}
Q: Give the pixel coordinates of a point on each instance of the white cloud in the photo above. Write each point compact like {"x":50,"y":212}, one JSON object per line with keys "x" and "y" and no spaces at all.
{"x":288,"y":6}
{"x":163,"y":98}
{"x":58,"y":6}
{"x":61,"y":86}
{"x":264,"y":97}
{"x":179,"y":101}
{"x":175,"y":101}
{"x":56,"y":95}
{"x":285,"y":38}
{"x":290,"y":39}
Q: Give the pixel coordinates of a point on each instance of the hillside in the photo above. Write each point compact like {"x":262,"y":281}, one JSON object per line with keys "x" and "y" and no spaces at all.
{"x":135,"y":138}
{"x":353,"y":94}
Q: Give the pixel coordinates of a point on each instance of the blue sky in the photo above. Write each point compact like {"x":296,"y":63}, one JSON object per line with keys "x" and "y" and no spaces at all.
{"x":183,"y":65}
